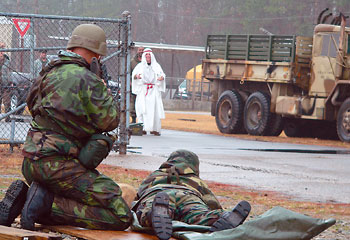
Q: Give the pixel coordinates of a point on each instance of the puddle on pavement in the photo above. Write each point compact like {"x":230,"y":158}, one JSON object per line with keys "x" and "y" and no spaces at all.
{"x":299,"y":151}
{"x":186,"y":119}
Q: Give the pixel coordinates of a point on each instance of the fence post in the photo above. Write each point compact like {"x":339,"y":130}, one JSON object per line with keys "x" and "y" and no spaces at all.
{"x":201,"y":85}
{"x":172,"y":75}
{"x":32,"y":53}
{"x":125,"y":86}
{"x":194,"y":86}
{"x":12,"y":135}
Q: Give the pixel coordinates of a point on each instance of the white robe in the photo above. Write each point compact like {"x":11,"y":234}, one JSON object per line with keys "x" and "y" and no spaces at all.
{"x":149,"y":105}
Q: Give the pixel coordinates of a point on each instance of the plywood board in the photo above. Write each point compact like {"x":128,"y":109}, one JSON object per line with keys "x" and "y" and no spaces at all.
{"x":101,"y":234}
{"x":11,"y":233}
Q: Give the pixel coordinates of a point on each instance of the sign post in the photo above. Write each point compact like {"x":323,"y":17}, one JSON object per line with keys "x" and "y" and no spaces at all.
{"x":22,"y":26}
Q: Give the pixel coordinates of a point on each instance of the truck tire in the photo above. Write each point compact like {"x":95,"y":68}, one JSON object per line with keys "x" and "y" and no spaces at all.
{"x":229,"y":112}
{"x":257,"y":114}
{"x":343,"y":121}
{"x":14,"y":100}
{"x":276,"y":125}
{"x":296,"y":128}
{"x":291,"y":128}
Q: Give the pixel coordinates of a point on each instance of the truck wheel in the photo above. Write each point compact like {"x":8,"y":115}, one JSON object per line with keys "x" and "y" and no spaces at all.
{"x":295,"y":128}
{"x":343,"y":121}
{"x":257,"y":114}
{"x":276,"y":125}
{"x":229,"y":112}
{"x":14,"y":100}
{"x":291,"y":128}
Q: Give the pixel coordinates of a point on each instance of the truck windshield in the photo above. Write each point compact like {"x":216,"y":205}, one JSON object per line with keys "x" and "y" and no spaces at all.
{"x":330,"y":44}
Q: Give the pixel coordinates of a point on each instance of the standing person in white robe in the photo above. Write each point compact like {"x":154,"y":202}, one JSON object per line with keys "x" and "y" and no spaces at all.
{"x":148,"y":83}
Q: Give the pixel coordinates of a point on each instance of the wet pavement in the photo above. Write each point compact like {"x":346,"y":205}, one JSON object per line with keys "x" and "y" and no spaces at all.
{"x":304,"y":172}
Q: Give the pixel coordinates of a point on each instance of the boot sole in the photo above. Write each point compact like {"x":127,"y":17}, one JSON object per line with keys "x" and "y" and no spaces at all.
{"x":13,"y":202}
{"x":161,"y":221}
{"x":232,"y":219}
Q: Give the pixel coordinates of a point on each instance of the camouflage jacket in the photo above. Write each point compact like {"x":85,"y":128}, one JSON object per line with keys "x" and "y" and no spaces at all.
{"x":5,"y":71}
{"x":135,"y":60}
{"x":38,"y":66}
{"x":180,"y":171}
{"x":72,"y":104}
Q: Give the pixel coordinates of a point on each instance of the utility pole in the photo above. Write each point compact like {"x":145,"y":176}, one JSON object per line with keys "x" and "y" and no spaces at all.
{"x":36,"y":6}
{"x":17,"y":6}
{"x":334,"y":11}
{"x":136,"y":18}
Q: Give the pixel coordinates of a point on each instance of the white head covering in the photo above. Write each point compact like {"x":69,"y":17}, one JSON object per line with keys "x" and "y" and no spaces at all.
{"x":157,"y":69}
{"x":153,"y":59}
{"x":149,"y":73}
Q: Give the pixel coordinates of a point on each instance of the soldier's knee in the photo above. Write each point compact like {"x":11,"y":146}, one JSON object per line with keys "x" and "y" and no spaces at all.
{"x":126,"y":222}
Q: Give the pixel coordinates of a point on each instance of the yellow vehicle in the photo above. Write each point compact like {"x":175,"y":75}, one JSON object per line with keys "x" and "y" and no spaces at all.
{"x":195,"y":82}
{"x":264,"y":84}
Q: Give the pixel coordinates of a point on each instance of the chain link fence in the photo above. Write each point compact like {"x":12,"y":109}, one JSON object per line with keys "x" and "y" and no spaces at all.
{"x":188,"y":89}
{"x":28,"y":42}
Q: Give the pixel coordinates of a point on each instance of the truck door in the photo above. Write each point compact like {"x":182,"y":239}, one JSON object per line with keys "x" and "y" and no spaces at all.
{"x":324,"y":54}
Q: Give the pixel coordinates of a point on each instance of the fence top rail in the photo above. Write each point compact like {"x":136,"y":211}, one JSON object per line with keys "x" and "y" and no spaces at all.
{"x":26,"y":15}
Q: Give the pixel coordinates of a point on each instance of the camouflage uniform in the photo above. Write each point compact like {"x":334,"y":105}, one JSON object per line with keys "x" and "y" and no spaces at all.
{"x":38,"y":66}
{"x":74,"y":105}
{"x":5,"y":85}
{"x":133,"y":64}
{"x":191,"y":201}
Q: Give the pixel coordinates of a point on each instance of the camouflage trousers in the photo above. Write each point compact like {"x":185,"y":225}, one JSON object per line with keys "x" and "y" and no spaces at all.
{"x":184,"y":206}
{"x":83,"y":198}
{"x":132,"y":105}
{"x":5,"y":98}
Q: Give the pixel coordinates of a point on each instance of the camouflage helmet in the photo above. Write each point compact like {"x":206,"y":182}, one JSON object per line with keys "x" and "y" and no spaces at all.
{"x":89,"y":36}
{"x":184,"y":160}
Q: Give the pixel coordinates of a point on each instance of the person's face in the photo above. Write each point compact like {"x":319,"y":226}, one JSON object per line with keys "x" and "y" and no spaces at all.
{"x":148,"y":58}
{"x":43,"y":55}
{"x":2,"y":53}
{"x":139,"y":52}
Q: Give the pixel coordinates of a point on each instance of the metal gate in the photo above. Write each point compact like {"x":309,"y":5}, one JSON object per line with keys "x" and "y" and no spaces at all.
{"x":24,"y":41}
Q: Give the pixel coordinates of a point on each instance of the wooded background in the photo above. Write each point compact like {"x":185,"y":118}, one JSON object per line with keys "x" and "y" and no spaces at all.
{"x":188,"y":22}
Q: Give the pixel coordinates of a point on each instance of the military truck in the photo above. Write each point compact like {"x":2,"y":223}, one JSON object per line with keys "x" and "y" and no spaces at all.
{"x":265,"y":84}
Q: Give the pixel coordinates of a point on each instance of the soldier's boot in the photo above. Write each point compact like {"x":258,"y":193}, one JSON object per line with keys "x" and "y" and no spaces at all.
{"x":229,"y":220}
{"x":12,"y":204}
{"x":160,"y":219}
{"x":37,"y":206}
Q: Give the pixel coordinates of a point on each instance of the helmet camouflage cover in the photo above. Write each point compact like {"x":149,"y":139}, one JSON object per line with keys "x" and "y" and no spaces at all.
{"x":186,"y":162}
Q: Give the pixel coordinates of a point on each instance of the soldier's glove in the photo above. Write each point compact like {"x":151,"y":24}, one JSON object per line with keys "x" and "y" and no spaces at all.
{"x":95,"y":150}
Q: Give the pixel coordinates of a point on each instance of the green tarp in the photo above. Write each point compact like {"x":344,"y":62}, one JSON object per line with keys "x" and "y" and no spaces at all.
{"x":276,"y":224}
